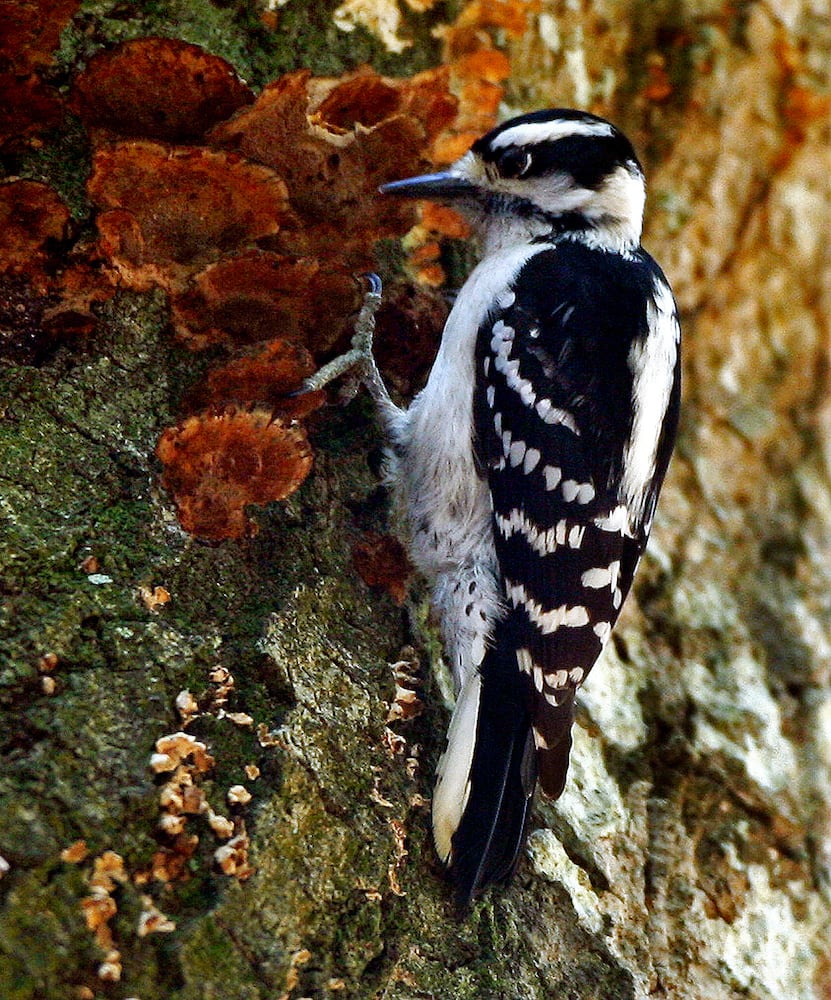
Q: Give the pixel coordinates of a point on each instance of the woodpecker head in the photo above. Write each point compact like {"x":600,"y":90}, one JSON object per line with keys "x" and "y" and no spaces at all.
{"x":559,"y":171}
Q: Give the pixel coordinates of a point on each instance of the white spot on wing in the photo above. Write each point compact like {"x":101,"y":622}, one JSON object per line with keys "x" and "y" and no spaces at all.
{"x":525,"y":661}
{"x":569,"y":488}
{"x":517,"y":452}
{"x":552,"y":475}
{"x":557,"y":416}
{"x":618,"y":521}
{"x":546,"y":621}
{"x":502,"y":338}
{"x":542,"y":540}
{"x":601,"y":576}
{"x":532,"y":457}
{"x":551,"y":414}
{"x":515,"y":381}
{"x":526,"y":393}
{"x":595,"y":578}
{"x":575,"y":535}
{"x":585,"y":493}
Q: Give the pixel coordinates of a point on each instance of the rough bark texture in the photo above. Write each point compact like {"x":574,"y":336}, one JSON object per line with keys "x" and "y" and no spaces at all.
{"x":690,"y":854}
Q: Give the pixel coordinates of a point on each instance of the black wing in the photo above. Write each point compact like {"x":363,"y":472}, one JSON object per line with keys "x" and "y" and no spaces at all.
{"x":573,"y":462}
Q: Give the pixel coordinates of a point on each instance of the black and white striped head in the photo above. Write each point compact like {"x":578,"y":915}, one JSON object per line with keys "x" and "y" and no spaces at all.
{"x":558,"y":170}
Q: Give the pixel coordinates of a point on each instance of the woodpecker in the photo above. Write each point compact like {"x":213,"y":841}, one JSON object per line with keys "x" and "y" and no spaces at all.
{"x":528,"y":468}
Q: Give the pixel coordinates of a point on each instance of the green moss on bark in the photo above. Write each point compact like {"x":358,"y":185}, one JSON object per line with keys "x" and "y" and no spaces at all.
{"x":80,"y":480}
{"x":259,"y":47}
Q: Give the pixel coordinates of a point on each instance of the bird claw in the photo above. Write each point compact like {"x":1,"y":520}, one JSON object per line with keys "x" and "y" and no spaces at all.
{"x":365,"y":323}
{"x":358,"y":359}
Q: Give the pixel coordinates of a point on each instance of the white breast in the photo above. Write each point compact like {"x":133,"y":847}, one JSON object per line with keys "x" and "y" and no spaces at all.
{"x":447,"y":504}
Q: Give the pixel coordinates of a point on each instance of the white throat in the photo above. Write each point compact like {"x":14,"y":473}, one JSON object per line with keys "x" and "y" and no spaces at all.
{"x":496,"y":233}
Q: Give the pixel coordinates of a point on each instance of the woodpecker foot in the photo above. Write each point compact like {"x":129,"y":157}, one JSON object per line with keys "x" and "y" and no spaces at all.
{"x":358,"y":361}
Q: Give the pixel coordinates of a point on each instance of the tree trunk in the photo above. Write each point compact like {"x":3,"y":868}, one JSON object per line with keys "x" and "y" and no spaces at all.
{"x":689,"y":855}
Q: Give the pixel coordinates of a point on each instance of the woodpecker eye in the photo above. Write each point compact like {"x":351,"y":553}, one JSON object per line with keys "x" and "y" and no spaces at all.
{"x":514,"y":163}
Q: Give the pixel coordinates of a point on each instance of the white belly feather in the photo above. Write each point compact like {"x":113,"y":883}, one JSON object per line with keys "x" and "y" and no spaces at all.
{"x":445,"y":502}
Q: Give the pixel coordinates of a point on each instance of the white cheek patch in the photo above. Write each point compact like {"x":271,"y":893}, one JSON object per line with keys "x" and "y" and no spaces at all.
{"x":555,"y":194}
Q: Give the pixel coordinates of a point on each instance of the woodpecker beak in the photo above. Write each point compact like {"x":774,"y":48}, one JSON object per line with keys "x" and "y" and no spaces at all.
{"x":445,"y":186}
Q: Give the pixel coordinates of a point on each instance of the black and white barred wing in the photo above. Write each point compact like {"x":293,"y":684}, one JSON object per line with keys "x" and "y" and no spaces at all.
{"x":554,"y":422}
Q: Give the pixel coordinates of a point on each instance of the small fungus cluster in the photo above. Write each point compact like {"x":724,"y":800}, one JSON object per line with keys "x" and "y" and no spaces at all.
{"x":46,"y":668}
{"x":406,"y":703}
{"x":185,"y":762}
{"x":100,"y":906}
{"x":405,"y":706}
{"x":184,"y":766}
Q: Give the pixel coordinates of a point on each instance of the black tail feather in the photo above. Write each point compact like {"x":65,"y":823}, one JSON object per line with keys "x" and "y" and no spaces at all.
{"x":492,"y":831}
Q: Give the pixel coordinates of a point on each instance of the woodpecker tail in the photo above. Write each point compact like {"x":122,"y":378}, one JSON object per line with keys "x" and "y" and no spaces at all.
{"x":486,"y":778}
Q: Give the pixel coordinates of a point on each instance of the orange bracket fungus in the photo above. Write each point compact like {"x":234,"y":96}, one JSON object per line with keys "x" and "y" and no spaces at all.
{"x":167,"y":211}
{"x":217,"y":463}
{"x":157,"y":88}
{"x":268,"y":377}
{"x":29,"y":34}
{"x":257,"y":295}
{"x":334,"y":142}
{"x":32,"y":220}
{"x":256,"y":234}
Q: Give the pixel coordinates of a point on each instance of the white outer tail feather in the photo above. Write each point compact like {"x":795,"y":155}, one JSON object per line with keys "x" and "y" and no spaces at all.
{"x":453,"y":773}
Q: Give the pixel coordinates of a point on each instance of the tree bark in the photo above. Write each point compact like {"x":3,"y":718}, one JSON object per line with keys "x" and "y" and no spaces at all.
{"x":689,"y":855}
